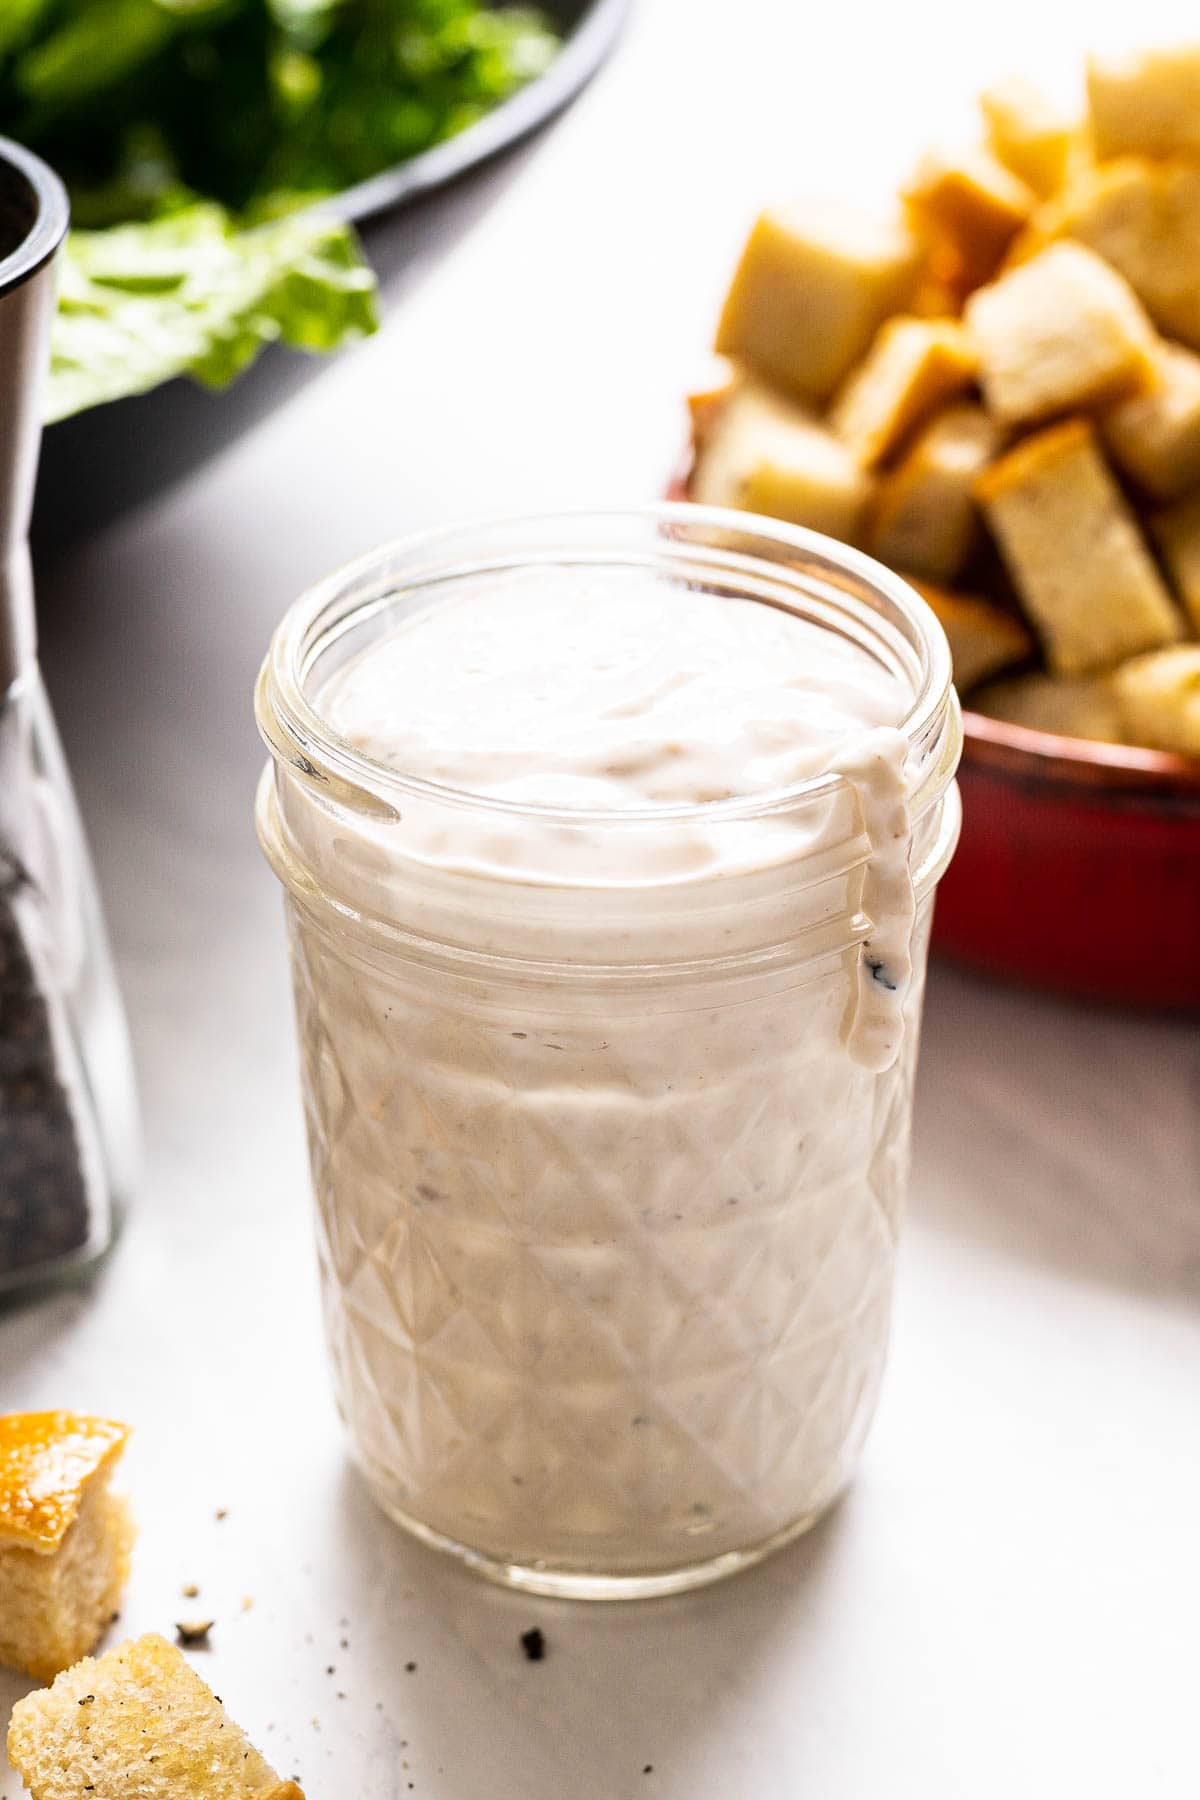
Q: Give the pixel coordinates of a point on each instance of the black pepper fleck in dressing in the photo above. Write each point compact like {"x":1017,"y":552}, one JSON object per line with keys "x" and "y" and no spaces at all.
{"x":879,"y":973}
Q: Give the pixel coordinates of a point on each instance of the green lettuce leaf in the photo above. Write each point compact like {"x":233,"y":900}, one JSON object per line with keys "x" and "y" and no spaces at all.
{"x":193,"y":294}
{"x":244,"y":98}
{"x":200,"y":132}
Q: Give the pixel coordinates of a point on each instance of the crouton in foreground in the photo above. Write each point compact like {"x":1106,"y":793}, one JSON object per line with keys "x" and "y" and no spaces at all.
{"x":707,"y":397}
{"x":1058,"y":333}
{"x":983,"y":640}
{"x":136,"y":1722}
{"x":815,"y":282}
{"x":1176,"y":531}
{"x":1075,"y":552}
{"x":1078,"y":706}
{"x":1143,"y":218}
{"x":966,"y":207}
{"x":1027,"y":133}
{"x":924,"y":518}
{"x":1158,"y":699}
{"x":1147,"y":101}
{"x":765,"y":454}
{"x":911,"y":368}
{"x":65,"y":1538}
{"x":1154,"y":437}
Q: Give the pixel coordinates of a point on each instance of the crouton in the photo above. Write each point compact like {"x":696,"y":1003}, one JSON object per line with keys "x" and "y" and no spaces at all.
{"x":765,"y":454}
{"x":982,"y":638}
{"x":1145,"y":101}
{"x":814,"y":283}
{"x":1154,"y":437}
{"x":911,"y":368}
{"x":967,"y":207}
{"x":138,"y":1721}
{"x":1158,"y":699}
{"x":65,"y":1538}
{"x":1176,"y":531}
{"x":1144,"y":219}
{"x":937,"y":294}
{"x":706,"y":399}
{"x":1074,"y":551}
{"x":924,"y":518}
{"x":1080,"y":706}
{"x":1061,"y":332}
{"x":1027,"y":133}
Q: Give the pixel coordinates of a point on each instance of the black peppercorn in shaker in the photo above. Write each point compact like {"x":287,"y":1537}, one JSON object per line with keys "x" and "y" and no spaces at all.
{"x":67,"y":1115}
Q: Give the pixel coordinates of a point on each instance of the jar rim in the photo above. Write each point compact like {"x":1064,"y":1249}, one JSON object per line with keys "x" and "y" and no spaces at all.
{"x":804,"y":562}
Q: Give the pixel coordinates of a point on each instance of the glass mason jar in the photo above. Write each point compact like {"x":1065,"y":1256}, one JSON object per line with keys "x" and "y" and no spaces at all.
{"x":68,"y":1125}
{"x":607,"y":1208}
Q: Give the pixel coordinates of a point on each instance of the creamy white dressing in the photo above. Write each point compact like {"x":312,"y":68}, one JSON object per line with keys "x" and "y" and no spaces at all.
{"x":610,"y":692}
{"x":607,"y":1263}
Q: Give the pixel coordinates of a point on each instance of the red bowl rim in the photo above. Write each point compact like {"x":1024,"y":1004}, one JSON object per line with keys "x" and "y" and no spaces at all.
{"x":1043,"y":756}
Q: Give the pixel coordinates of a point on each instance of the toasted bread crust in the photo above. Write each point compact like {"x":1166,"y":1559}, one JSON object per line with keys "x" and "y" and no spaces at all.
{"x":46,"y":1461}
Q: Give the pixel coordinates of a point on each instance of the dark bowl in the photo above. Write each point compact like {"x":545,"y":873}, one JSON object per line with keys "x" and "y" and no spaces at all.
{"x":589,"y":30}
{"x":100,"y":463}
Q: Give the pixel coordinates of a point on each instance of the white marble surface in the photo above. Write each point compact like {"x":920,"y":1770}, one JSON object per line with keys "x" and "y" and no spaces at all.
{"x":1008,"y":1603}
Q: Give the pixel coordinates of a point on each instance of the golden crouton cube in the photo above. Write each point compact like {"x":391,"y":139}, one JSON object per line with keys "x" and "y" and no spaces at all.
{"x":967,"y":206}
{"x":1144,"y":219}
{"x":1147,"y":101}
{"x":1154,"y":437}
{"x":765,"y":454}
{"x":924,"y":517}
{"x":136,"y":1724}
{"x":1158,"y":699}
{"x":1079,"y":706}
{"x":65,"y":1537}
{"x":706,"y":399}
{"x":982,"y":638}
{"x":1074,"y":551}
{"x":1060,"y":332}
{"x":1041,"y":231}
{"x":1027,"y":133}
{"x":1177,"y":533}
{"x":814,"y":283}
{"x":912,"y":366}
{"x":937,"y":294}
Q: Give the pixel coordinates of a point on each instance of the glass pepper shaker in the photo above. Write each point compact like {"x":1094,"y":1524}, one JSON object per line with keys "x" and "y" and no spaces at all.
{"x":68,"y":1121}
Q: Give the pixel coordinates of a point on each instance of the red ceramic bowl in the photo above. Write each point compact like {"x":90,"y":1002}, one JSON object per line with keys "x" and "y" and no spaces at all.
{"x":1078,"y":868}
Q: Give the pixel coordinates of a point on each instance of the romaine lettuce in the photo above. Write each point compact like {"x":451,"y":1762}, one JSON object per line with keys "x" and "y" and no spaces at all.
{"x":191,"y":294}
{"x":180,"y":126}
